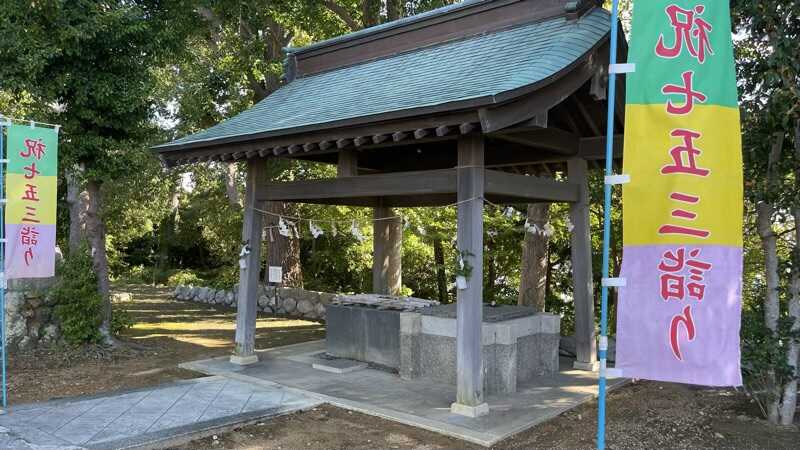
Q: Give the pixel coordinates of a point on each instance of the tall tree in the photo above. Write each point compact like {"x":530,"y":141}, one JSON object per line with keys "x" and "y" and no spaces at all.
{"x":769,"y":72}
{"x":92,"y":62}
{"x":535,"y":258}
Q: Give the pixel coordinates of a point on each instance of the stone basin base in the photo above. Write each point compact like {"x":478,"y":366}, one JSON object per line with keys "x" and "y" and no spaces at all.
{"x":518,"y":344}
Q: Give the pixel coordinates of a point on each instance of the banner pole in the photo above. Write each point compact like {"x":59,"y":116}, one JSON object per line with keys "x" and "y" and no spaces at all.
{"x":3,"y":283}
{"x":612,"y":92}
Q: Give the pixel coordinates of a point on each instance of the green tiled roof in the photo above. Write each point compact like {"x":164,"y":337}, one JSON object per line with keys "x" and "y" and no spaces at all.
{"x":478,"y":67}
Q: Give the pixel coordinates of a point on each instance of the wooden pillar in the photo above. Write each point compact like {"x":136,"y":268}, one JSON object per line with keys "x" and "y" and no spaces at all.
{"x":387,"y":246}
{"x":469,"y":364}
{"x":247,"y":304}
{"x":581,"y":250}
{"x":348,"y":163}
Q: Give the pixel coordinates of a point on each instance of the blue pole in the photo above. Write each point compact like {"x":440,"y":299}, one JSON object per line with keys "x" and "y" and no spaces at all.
{"x":2,"y":279}
{"x":612,"y":92}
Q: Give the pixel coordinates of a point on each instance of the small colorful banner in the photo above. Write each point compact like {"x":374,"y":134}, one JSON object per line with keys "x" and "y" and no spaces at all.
{"x":30,"y":217}
{"x":679,"y":314}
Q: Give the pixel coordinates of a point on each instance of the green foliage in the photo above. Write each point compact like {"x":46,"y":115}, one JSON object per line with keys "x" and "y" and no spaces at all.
{"x":764,"y":355}
{"x":121,"y":320}
{"x":78,"y":304}
{"x":184,"y":277}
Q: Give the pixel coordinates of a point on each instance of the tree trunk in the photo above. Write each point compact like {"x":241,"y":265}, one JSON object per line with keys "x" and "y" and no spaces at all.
{"x":441,"y":275}
{"x":491,"y":275}
{"x":77,"y":201}
{"x":166,"y":231}
{"x":789,"y":401}
{"x":394,"y":9}
{"x":283,"y":251}
{"x":769,"y":239}
{"x":95,"y":229}
{"x":231,"y":187}
{"x":371,"y":12}
{"x":533,"y":273}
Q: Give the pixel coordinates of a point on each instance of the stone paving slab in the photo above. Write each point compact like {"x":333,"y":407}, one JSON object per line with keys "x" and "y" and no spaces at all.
{"x":143,"y":417}
{"x":422,"y":403}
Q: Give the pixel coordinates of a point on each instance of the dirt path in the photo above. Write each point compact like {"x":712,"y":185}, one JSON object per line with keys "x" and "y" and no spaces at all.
{"x":645,"y":415}
{"x":641,"y":415}
{"x":169,"y":333}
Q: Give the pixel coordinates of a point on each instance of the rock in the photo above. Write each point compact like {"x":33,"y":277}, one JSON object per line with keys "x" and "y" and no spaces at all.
{"x":26,"y":343}
{"x":263,"y":300}
{"x":220,"y":297}
{"x":14,"y":302}
{"x":719,"y":435}
{"x":49,"y":334}
{"x":267,"y":309}
{"x":320,"y":310}
{"x":326,"y":298}
{"x":305,"y":306}
{"x":289,"y":305}
{"x":230,"y":298}
{"x":16,"y":328}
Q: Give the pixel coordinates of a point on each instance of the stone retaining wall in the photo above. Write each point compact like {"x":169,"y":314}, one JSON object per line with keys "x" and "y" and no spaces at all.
{"x":30,"y":317}
{"x":283,"y":301}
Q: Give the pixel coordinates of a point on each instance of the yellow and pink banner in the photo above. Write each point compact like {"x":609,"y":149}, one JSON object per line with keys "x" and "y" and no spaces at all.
{"x":30,"y":216}
{"x":679,"y":313}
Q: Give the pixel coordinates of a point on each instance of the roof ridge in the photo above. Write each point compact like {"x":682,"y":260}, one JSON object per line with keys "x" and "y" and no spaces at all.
{"x":436,"y":44}
{"x":388,"y":25}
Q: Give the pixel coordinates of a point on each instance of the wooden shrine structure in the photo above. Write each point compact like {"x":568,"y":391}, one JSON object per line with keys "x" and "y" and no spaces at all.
{"x":489,"y":99}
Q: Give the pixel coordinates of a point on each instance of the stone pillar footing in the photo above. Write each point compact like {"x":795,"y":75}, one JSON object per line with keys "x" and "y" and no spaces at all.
{"x":587,"y":366}
{"x":470,"y":411}
{"x":244,"y":360}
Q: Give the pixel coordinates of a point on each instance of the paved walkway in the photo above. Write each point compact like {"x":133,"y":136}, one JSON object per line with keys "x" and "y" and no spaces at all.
{"x":144,"y":417}
{"x":422,"y":403}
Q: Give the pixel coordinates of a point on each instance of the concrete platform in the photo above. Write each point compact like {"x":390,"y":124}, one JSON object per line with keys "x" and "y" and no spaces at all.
{"x":152,"y":417}
{"x":420,"y":403}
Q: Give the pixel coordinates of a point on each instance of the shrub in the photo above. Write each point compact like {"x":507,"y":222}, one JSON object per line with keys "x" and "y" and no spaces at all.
{"x":185,"y":278}
{"x":78,"y":304}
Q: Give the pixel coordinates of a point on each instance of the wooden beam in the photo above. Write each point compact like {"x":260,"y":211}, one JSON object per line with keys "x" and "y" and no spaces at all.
{"x":250,"y":154}
{"x":595,"y":148}
{"x":384,"y":185}
{"x":443,"y":130}
{"x":466,"y":128}
{"x":597,"y":88}
{"x":581,"y":251}
{"x":264,"y":152}
{"x":421,"y":133}
{"x":309,"y":146}
{"x":361,"y":140}
{"x":469,"y":312}
{"x":343,"y":143}
{"x":247,"y":303}
{"x":324,"y":145}
{"x":530,"y":189}
{"x":279,"y":150}
{"x":399,"y":136}
{"x":378,"y":138}
{"x":551,"y":139}
{"x":294,"y":148}
{"x":238,"y":155}
{"x":586,"y":116}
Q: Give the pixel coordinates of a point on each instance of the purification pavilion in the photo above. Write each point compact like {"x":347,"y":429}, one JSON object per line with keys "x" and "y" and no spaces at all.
{"x":485,"y":99}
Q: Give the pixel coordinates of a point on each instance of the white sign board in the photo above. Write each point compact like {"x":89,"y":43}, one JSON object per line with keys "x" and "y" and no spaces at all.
{"x":275,"y":274}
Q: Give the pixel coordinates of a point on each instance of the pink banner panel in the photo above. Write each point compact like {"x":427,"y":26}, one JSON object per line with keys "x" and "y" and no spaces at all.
{"x":34,"y":257}
{"x":678,"y":315}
